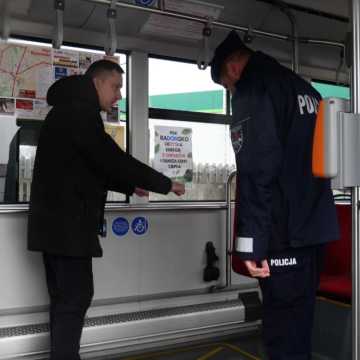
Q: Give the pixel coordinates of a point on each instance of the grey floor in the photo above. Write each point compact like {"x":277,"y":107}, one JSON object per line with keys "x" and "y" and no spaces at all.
{"x":233,"y":348}
{"x":242,"y":348}
{"x":329,"y":342}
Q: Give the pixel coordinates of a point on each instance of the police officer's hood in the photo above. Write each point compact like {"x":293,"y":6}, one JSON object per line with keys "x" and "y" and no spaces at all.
{"x":76,"y":88}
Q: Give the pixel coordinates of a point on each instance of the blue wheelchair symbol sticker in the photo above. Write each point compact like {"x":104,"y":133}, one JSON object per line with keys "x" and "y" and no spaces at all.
{"x":120,"y":226}
{"x":139,"y":225}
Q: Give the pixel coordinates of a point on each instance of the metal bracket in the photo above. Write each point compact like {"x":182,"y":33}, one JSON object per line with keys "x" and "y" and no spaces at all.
{"x":249,"y":35}
{"x":111,"y":39}
{"x":4,"y":20}
{"x":204,"y":53}
{"x":350,"y":144}
{"x":161,"y":5}
{"x":58,"y":35}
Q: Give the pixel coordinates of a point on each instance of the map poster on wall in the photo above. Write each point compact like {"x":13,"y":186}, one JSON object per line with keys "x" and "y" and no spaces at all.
{"x":24,"y":71}
{"x":7,"y":106}
{"x":173,"y":152}
{"x":86,"y":59}
{"x":66,"y":58}
{"x":27,"y":72}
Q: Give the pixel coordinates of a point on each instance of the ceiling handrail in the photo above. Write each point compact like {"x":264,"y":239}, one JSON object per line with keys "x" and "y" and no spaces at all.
{"x":220,"y":24}
{"x":58,"y":35}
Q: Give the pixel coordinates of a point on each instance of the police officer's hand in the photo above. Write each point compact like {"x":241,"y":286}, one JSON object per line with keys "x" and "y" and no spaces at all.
{"x":262,"y":271}
{"x":141,"y":192}
{"x":177,"y":188}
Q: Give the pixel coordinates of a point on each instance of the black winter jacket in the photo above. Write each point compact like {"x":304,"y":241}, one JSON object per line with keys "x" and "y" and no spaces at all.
{"x":279,"y":204}
{"x":76,"y":163}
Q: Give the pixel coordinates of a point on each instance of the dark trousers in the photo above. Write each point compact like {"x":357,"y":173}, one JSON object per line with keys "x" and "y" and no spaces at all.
{"x":70,"y":287}
{"x":289,"y":296}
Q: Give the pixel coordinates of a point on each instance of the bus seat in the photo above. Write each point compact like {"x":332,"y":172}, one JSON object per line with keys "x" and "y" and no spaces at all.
{"x":335,"y":278}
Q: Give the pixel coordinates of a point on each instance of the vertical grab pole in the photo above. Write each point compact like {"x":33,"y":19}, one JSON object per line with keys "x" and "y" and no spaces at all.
{"x":355,"y":100}
{"x":295,"y":39}
{"x":229,"y":229}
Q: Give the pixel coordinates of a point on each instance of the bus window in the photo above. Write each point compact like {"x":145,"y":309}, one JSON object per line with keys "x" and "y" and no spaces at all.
{"x":184,"y":100}
{"x":27,"y":70}
{"x":177,"y":85}
{"x":212,"y":159}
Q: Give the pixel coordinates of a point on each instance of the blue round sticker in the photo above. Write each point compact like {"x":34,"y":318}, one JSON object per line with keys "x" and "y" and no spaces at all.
{"x":120,"y":226}
{"x":139,"y":225}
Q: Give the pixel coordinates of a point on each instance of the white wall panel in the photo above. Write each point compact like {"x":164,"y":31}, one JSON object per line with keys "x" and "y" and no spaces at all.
{"x":170,"y":257}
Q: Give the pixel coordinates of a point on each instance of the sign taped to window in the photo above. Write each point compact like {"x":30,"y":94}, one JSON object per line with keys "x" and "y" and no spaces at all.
{"x":173,"y":152}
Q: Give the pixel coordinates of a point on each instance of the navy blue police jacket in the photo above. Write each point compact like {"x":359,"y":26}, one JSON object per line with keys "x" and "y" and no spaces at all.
{"x":279,"y":203}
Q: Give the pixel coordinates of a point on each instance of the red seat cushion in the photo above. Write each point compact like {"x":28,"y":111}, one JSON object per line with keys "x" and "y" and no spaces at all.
{"x":338,"y":253}
{"x":335,"y":278}
{"x":336,"y":287}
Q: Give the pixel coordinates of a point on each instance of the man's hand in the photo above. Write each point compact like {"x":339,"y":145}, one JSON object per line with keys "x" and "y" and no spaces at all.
{"x":177,"y":188}
{"x":141,"y":192}
{"x":262,"y":272}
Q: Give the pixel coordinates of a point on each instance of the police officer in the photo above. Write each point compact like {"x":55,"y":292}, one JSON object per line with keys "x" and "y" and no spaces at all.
{"x":76,"y":163}
{"x":283,"y":214}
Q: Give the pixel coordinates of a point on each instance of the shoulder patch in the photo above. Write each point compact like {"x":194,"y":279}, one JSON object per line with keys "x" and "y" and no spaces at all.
{"x":237,"y":134}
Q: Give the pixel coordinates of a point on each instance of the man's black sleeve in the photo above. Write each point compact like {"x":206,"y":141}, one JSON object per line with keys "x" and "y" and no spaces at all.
{"x":258,"y":158}
{"x":122,"y":171}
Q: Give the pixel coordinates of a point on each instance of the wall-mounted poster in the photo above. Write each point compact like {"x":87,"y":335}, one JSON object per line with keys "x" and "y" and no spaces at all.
{"x":27,"y":72}
{"x":7,"y":106}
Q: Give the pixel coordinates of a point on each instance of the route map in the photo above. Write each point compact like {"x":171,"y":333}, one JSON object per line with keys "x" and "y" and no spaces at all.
{"x":25,"y":71}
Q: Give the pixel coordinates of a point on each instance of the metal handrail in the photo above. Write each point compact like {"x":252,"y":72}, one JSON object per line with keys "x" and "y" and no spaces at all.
{"x":220,"y":24}
{"x":355,"y":105}
{"x":229,"y":229}
{"x":109,"y":207}
{"x":228,"y":238}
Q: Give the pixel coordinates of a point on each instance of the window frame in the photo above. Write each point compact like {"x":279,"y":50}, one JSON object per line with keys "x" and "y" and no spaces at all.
{"x":188,"y":116}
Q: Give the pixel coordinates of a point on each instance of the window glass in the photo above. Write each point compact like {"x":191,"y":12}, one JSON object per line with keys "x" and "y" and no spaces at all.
{"x":181,"y":86}
{"x":27,"y":70}
{"x":212,"y":159}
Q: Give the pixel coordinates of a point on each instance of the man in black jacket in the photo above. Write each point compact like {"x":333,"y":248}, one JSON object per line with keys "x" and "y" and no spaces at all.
{"x":76,"y":163}
{"x":283,"y":214}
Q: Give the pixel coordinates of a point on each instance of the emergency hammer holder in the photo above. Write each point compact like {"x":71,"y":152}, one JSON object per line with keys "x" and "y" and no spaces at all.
{"x":336,"y":146}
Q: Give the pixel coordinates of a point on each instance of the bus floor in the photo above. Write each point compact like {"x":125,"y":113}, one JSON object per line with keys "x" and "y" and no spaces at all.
{"x":248,"y":347}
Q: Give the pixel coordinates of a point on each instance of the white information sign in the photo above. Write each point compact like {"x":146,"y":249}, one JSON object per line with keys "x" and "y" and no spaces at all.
{"x":173,"y":152}
{"x":191,"y":30}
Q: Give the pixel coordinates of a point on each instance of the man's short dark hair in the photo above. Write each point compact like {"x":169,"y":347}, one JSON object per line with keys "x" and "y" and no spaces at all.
{"x":100,"y":67}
